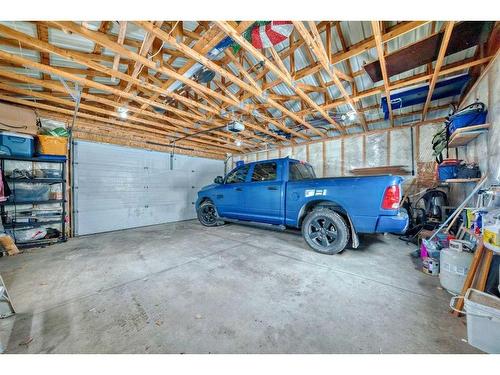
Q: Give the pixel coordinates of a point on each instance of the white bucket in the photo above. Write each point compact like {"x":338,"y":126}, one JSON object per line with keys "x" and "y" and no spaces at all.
{"x":483,"y":320}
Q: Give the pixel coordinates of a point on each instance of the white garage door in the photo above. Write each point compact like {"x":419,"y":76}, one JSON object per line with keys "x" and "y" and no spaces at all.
{"x":120,"y":187}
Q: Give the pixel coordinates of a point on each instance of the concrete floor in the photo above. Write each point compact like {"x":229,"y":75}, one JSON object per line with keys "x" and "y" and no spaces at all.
{"x":183,"y":288}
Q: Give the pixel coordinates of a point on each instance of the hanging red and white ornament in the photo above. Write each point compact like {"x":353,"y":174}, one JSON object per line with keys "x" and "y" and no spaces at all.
{"x":271,"y":34}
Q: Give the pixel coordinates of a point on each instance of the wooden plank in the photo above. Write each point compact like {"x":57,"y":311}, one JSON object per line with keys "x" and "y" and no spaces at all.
{"x":257,"y":54}
{"x":80,"y":114}
{"x":316,"y":44}
{"x":465,"y":35}
{"x":90,"y":83}
{"x":253,"y":87}
{"x":380,"y":50}
{"x":463,"y":138}
{"x":484,"y":270}
{"x":461,"y":180}
{"x":408,"y":81}
{"x":439,"y":62}
{"x":90,"y":98}
{"x":363,"y":46}
{"x":389,"y":169}
{"x":121,"y":38}
{"x":151,"y":124}
{"x":470,"y":276}
{"x":483,"y":74}
{"x":323,"y":154}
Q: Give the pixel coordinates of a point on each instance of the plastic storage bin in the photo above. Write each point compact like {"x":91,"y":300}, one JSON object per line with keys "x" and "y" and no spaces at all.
{"x":51,"y":173}
{"x":447,"y":171}
{"x":483,"y":321}
{"x":468,"y":118}
{"x":15,"y":144}
{"x":50,"y":145}
{"x":22,"y":192}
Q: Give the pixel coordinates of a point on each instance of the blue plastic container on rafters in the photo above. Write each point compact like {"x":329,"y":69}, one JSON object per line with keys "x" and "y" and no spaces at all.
{"x":407,"y":97}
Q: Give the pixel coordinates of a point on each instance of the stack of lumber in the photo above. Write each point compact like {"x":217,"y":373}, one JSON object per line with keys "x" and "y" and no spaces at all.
{"x":388,"y":169}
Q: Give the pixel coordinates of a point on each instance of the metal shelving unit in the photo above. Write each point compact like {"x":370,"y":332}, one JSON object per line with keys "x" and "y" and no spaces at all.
{"x":38,"y":221}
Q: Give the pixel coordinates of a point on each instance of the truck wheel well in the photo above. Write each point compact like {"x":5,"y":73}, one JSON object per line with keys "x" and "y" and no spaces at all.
{"x":334,"y":207}
{"x":326,"y":204}
{"x":205,"y":200}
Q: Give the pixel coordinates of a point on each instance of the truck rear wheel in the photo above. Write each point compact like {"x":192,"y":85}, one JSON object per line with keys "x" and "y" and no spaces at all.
{"x":325,"y":231}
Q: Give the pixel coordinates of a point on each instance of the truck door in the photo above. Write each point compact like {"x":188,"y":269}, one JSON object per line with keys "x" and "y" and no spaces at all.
{"x":263,"y":195}
{"x":229,"y":195}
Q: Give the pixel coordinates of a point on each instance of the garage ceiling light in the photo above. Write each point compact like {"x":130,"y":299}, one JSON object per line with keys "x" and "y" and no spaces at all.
{"x":123,"y":112}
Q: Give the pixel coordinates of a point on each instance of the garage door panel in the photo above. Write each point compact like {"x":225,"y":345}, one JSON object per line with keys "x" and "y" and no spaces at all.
{"x":118,"y":187}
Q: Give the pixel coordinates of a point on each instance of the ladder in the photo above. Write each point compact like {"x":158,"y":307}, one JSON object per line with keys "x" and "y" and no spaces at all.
{"x":6,"y":306}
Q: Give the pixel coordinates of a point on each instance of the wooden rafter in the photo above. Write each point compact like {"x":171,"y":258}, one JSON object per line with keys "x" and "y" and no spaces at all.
{"x":343,"y":43}
{"x":121,"y":38}
{"x":182,"y":125}
{"x":439,"y":63}
{"x":316,"y":44}
{"x":257,"y":54}
{"x":45,"y":46}
{"x":257,"y":91}
{"x":43,"y":34}
{"x":95,"y":36}
{"x":381,"y":55}
{"x":240,"y":89}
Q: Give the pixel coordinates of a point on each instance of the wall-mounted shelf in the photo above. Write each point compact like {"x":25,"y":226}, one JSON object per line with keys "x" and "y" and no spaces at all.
{"x":47,"y":201}
{"x":465,"y":135}
{"x":28,"y":225}
{"x":462,"y":180}
{"x":35,"y":180}
{"x":35,"y":159}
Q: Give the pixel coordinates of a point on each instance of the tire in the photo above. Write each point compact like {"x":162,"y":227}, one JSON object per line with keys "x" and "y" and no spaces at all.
{"x":332,"y":231}
{"x":207,"y":214}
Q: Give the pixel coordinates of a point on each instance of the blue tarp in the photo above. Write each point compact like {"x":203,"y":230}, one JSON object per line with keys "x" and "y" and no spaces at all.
{"x":444,"y":88}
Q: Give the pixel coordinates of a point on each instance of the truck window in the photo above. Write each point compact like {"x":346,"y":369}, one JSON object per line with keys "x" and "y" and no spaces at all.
{"x":300,"y":171}
{"x":264,"y":172}
{"x":238,"y":175}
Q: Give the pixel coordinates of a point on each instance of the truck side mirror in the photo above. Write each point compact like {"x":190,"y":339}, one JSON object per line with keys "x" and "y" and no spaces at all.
{"x":218,"y":180}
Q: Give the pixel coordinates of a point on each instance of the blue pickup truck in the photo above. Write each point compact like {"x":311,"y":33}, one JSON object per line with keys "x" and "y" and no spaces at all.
{"x":284,"y":193}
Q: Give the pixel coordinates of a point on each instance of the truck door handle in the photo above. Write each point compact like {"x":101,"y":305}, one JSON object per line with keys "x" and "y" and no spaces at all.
{"x":238,"y":189}
{"x":220,"y":196}
{"x":272,"y":188}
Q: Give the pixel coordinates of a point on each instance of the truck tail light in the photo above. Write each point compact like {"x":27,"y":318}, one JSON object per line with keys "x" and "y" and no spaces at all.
{"x":391,"y":198}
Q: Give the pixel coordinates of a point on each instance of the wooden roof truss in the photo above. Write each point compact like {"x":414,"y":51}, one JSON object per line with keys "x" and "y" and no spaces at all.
{"x":167,"y":103}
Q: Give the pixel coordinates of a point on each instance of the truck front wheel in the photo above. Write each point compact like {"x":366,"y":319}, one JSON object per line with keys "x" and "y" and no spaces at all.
{"x":325,"y":231}
{"x":207,"y":214}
